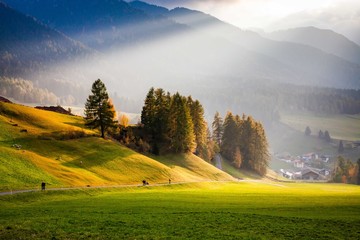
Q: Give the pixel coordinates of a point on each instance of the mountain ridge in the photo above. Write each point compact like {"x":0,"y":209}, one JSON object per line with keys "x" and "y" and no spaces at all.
{"x":188,"y":51}
{"x":323,"y":39}
{"x":27,"y":44}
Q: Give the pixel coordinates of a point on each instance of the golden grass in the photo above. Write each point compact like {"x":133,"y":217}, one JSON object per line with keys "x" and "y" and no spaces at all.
{"x":84,"y":161}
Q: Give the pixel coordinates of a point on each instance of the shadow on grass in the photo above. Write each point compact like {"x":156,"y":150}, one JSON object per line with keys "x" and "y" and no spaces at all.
{"x":78,"y":124}
{"x":173,"y":161}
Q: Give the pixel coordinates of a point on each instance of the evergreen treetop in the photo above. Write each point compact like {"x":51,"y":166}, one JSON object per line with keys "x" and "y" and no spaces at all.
{"x":99,"y":111}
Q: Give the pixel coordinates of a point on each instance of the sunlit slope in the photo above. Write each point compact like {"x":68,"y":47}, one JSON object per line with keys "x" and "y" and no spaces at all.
{"x":183,"y":166}
{"x":52,"y":151}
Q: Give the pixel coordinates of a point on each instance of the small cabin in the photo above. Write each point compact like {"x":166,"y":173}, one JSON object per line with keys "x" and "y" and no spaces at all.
{"x":309,"y":174}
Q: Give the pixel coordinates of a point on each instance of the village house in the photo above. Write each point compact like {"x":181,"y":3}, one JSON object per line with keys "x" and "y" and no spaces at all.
{"x":309,"y":174}
{"x":298,"y":163}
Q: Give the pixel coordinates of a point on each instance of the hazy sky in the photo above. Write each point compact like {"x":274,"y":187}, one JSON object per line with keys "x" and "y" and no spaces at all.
{"x":342,"y":16}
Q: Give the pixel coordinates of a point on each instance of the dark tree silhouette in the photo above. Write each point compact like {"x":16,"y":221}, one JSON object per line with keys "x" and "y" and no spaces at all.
{"x":99,"y":112}
{"x":341,"y":147}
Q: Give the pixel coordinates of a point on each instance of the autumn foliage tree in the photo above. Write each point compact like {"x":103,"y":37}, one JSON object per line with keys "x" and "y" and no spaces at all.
{"x":345,"y":171}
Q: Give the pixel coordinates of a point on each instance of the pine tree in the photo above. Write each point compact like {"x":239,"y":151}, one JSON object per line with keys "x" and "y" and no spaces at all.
{"x":247,"y":144}
{"x":99,"y":112}
{"x":148,"y":112}
{"x":200,"y":126}
{"x":321,"y":134}
{"x":253,"y":145}
{"x":228,"y":143}
{"x":327,"y":137}
{"x":160,"y":121}
{"x":341,"y":147}
{"x":261,"y":156}
{"x":217,"y":127}
{"x":180,"y":126}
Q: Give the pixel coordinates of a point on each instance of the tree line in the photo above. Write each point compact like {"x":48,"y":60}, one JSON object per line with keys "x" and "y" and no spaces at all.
{"x":172,"y":123}
{"x":242,"y":141}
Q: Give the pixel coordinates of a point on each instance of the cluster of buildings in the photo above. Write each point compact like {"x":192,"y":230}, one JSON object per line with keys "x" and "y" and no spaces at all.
{"x":302,"y":167}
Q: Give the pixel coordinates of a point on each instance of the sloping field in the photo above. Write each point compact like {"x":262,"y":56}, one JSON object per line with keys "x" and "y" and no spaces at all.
{"x":37,"y":145}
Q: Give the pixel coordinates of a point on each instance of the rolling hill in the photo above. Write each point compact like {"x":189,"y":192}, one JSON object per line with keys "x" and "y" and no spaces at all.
{"x":38,"y":145}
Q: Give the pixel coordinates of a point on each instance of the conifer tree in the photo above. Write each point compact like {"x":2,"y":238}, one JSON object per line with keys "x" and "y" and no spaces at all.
{"x":200,"y":126}
{"x":148,"y":112}
{"x":261,"y":154}
{"x":217,"y":127}
{"x":180,"y":126}
{"x":341,"y":147}
{"x":228,"y":143}
{"x":327,"y":137}
{"x":239,"y":131}
{"x":99,"y":112}
{"x":321,"y":134}
{"x":160,"y":121}
{"x":247,"y":141}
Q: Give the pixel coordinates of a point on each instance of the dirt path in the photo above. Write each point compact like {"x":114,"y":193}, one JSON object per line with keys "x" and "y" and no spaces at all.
{"x":135,"y":185}
{"x":93,"y":187}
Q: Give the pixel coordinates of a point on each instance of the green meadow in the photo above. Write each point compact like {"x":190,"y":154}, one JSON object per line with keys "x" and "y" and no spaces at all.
{"x":237,"y":210}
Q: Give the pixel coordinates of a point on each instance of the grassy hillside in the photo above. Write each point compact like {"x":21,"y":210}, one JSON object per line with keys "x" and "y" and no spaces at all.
{"x":57,"y":149}
{"x":245,"y":210}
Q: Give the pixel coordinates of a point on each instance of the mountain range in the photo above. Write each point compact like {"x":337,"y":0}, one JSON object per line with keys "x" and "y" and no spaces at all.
{"x":67,"y":44}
